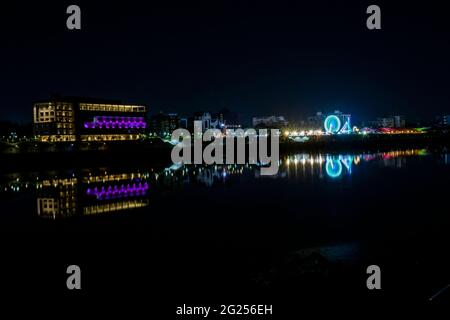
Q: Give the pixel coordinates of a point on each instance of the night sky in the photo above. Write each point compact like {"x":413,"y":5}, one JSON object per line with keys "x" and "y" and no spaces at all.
{"x":256,"y":58}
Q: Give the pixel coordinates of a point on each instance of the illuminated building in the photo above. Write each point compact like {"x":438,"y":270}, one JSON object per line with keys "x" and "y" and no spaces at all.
{"x":227,"y":119}
{"x":54,"y":121}
{"x":272,"y":121}
{"x":399,"y":121}
{"x":163,"y":124}
{"x":222,"y":120}
{"x":204,"y":117}
{"x":209,"y":121}
{"x":385,"y":122}
{"x":391,"y":122}
{"x":81,"y":119}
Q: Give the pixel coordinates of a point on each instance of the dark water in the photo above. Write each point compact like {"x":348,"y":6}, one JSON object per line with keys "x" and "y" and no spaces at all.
{"x":313,"y":228}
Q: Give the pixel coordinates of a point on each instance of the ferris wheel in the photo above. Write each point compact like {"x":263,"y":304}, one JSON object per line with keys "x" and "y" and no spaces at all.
{"x":336,"y":124}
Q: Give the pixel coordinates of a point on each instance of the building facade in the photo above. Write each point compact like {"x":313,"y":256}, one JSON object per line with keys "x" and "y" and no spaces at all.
{"x":54,"y":121}
{"x":228,"y":119}
{"x":385,"y":122}
{"x":399,"y":121}
{"x":81,"y":119}
{"x":272,"y":121}
{"x":391,"y":122}
{"x":205,"y":118}
{"x":163,"y":124}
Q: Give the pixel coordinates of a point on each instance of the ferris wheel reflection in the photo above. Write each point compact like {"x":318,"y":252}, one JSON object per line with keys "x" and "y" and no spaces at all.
{"x":335,"y":165}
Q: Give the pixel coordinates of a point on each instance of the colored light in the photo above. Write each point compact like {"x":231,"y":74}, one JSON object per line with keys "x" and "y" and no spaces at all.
{"x":118,"y":192}
{"x":112,"y":122}
{"x":332,"y":124}
{"x":333,"y":168}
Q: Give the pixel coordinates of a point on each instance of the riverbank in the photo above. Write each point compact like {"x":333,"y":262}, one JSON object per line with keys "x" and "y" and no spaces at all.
{"x":155,"y":152}
{"x":367,"y":143}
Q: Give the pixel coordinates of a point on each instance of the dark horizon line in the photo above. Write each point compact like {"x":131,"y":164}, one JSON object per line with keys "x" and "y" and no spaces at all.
{"x":409,"y":118}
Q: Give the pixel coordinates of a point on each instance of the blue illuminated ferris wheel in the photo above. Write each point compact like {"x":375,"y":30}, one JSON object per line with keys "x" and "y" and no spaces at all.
{"x":332,"y":124}
{"x":337,"y":123}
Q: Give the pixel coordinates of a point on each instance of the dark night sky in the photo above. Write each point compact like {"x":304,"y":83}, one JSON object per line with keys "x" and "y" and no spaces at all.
{"x":257,"y":58}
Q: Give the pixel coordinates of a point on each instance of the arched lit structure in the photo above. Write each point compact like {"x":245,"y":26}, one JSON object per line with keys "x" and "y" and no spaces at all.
{"x":337,"y":123}
{"x":333,"y":168}
{"x":332,"y":124}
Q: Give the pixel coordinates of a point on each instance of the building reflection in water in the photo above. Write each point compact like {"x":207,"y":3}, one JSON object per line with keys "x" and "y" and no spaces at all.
{"x":57,"y":197}
{"x":102,"y":191}
{"x":91,"y":194}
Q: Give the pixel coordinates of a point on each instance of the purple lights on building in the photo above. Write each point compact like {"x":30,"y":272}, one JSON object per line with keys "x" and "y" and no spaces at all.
{"x":116,"y":122}
{"x":116,"y":191}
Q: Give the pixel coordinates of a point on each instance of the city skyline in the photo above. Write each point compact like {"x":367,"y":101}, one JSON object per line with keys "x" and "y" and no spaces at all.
{"x":276,"y":155}
{"x":380,"y":120}
{"x":257,"y":60}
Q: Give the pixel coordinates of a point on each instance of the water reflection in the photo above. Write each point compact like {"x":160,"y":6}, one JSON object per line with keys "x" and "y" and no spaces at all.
{"x":104,"y":190}
{"x":334,"y":168}
{"x":88,"y":193}
{"x":337,"y":165}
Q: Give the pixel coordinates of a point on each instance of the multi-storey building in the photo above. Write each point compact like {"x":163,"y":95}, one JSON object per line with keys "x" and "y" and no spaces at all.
{"x":391,"y":122}
{"x":54,"y":121}
{"x":385,"y":122}
{"x":271,"y":121}
{"x":164,"y":124}
{"x":82,"y":119}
